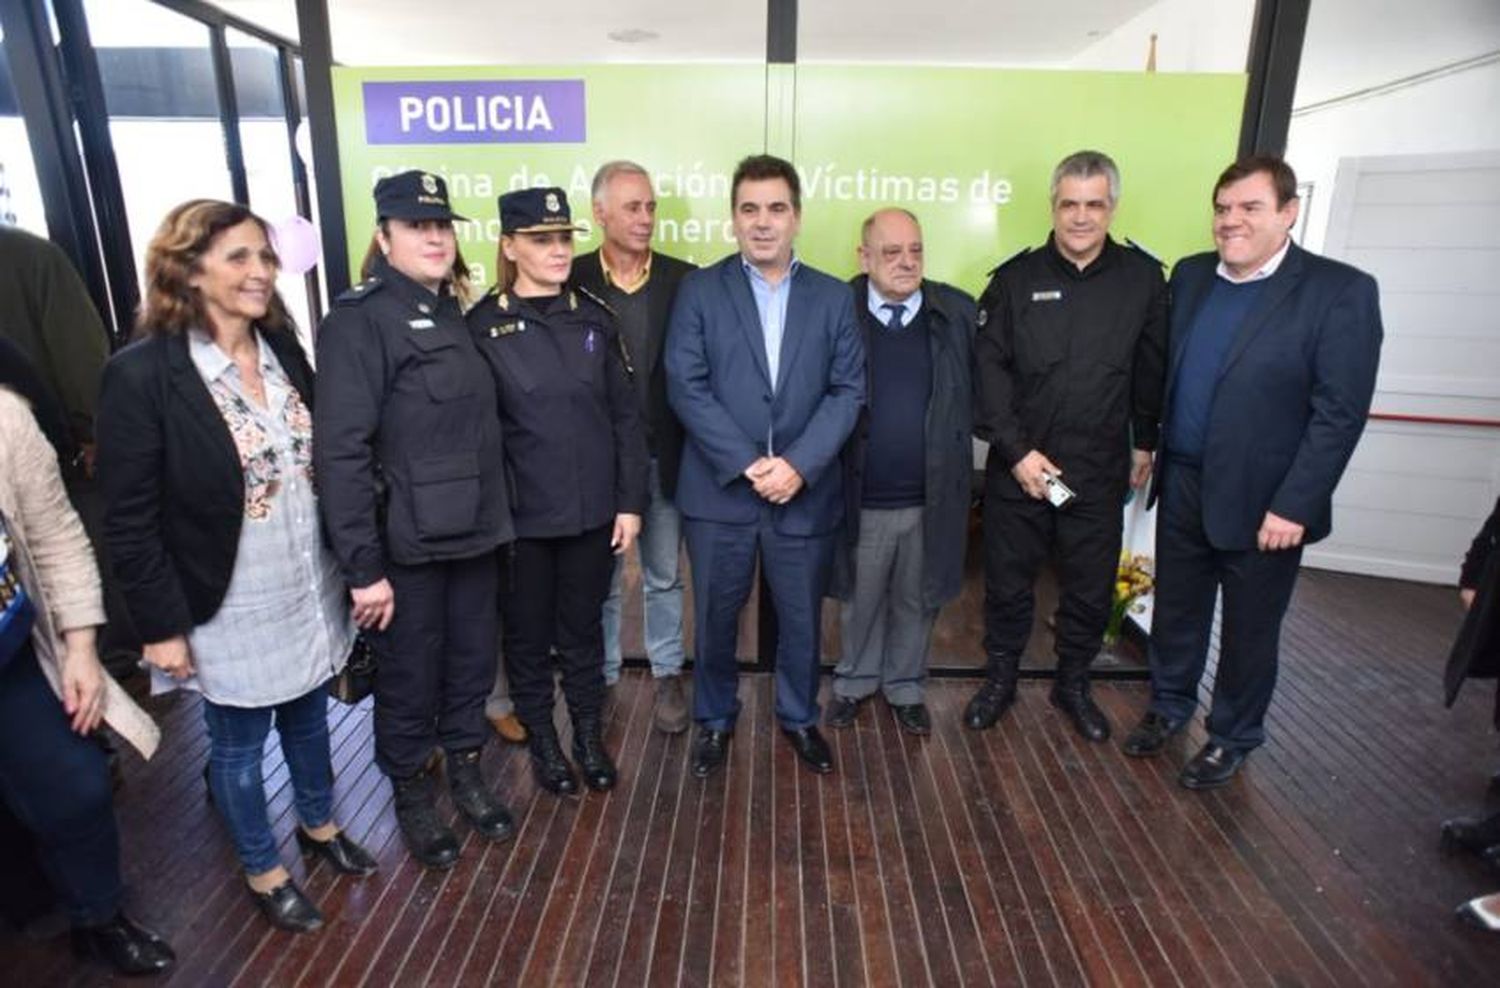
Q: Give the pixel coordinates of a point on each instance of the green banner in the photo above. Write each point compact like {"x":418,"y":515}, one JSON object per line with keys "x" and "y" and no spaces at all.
{"x":970,"y":151}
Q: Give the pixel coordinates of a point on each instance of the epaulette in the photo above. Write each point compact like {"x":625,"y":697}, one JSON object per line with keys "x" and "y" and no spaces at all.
{"x":1008,"y":261}
{"x":495,"y":295}
{"x":595,"y":299}
{"x":1137,"y":247}
{"x":358,"y":293}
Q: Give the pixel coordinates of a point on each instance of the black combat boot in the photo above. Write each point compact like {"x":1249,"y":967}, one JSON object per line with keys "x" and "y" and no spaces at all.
{"x":997,"y":694}
{"x":473,"y":798}
{"x":427,"y":838}
{"x":550,"y":765}
{"x":1070,"y":694}
{"x":588,"y":748}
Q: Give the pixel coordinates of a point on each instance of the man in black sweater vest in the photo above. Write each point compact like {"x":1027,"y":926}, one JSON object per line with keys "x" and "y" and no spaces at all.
{"x":907,"y":469}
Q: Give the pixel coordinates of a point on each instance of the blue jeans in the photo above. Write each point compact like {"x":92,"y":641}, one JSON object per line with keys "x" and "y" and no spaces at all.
{"x":57,"y":785}
{"x":660,"y":545}
{"x":237,"y":742}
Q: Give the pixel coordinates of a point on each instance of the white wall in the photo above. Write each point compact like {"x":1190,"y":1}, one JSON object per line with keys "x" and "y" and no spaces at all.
{"x":1414,"y":494}
{"x":1192,"y":36}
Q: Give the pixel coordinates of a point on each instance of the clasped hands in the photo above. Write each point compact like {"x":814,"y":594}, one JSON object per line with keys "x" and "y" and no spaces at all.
{"x":774,"y":479}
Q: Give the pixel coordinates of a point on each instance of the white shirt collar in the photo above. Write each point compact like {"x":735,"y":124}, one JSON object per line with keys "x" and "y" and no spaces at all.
{"x":1265,"y":271}
{"x":212,"y":361}
{"x":878,"y":302}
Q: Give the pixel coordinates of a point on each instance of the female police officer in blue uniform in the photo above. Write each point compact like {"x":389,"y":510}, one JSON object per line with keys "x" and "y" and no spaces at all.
{"x":576,"y":458}
{"x":412,"y":483}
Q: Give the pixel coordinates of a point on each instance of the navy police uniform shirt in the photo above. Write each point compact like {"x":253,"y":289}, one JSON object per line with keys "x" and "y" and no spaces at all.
{"x":406,"y":437}
{"x":1072,"y":363}
{"x":575,"y":448}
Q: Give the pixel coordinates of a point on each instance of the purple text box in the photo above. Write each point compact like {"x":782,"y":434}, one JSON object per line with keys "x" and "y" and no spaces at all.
{"x":502,"y":111}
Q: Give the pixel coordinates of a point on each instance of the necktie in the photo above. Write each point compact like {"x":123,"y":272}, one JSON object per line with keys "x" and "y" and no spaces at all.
{"x":893,"y":321}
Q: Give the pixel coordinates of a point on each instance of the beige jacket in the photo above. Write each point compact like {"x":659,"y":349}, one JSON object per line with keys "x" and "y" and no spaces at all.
{"x":55,"y":561}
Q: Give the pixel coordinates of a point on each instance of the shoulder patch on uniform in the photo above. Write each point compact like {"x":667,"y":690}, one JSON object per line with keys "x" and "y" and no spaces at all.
{"x":594,"y":298}
{"x":359,"y":292}
{"x":1137,"y":247}
{"x":1009,"y":261}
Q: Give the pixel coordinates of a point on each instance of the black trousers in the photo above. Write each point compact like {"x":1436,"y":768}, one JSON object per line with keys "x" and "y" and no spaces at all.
{"x":1190,"y":573}
{"x":552,"y":596}
{"x":56,"y":784}
{"x":435,"y":664}
{"x":1083,"y":538}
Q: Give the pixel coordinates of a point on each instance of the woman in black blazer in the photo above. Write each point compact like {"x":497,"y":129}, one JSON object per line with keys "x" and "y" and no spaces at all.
{"x":205,"y":458}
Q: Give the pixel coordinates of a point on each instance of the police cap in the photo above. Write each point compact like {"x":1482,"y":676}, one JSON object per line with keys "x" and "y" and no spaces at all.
{"x":535,"y":210}
{"x":413,"y":195}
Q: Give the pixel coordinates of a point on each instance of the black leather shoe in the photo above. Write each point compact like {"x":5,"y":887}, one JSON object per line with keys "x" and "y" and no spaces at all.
{"x":598,"y":769}
{"x":473,"y":798}
{"x":550,"y":766}
{"x":346,"y":857}
{"x":1483,"y":913}
{"x":1211,"y":767}
{"x":286,"y":908}
{"x":1150,"y":736}
{"x":709,"y":751}
{"x":842,"y":710}
{"x":913,"y":718}
{"x":811,"y":748}
{"x":1474,"y":835}
{"x":428,"y":839}
{"x":130,"y":949}
{"x":989,"y":703}
{"x":1073,"y":699}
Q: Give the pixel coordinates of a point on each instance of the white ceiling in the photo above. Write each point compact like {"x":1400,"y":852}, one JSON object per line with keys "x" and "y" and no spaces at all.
{"x":987,"y":32}
{"x":1350,"y":43}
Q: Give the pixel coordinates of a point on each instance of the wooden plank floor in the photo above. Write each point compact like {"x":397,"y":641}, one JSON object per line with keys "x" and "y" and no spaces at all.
{"x":1017,"y":856}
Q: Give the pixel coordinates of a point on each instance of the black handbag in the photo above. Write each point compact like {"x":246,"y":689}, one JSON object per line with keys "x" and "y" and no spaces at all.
{"x":357,"y":679}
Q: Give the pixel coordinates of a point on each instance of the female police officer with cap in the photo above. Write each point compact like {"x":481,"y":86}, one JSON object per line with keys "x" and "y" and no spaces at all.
{"x":577,"y":461}
{"x":408,"y":457}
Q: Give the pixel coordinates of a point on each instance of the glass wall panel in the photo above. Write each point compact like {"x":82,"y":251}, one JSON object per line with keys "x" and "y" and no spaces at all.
{"x":20,"y":194}
{"x":266,"y":145}
{"x":157,"y":71}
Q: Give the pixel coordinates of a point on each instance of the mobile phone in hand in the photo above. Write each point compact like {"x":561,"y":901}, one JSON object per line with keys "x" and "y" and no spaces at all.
{"x":1058,"y":493}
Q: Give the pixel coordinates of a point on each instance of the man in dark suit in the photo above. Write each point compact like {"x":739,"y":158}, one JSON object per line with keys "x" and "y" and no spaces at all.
{"x":1273,"y":353}
{"x":765,"y":369}
{"x":640,"y":285}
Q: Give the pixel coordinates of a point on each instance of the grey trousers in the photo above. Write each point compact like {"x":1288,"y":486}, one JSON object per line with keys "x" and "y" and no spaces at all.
{"x":886,"y":629}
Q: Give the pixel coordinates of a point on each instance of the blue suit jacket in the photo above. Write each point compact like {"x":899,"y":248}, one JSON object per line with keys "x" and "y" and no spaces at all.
{"x":1292,"y":396}
{"x":719,"y":386}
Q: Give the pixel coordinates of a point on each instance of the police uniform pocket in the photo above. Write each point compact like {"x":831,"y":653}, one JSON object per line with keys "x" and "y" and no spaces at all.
{"x":1040,"y":339}
{"x":442,"y":365}
{"x":445,"y":494}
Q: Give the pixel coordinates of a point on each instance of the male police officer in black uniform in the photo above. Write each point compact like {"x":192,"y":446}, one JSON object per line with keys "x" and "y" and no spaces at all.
{"x":413,"y":491}
{"x":1070,"y":359}
{"x":576,"y":455}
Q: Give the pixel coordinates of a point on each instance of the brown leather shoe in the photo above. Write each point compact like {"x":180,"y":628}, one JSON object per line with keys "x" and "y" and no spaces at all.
{"x":509,"y":728}
{"x":671,"y":712}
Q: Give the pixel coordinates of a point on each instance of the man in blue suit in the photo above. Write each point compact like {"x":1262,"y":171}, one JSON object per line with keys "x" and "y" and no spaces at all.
{"x":765,"y":369}
{"x":1272,"y":361}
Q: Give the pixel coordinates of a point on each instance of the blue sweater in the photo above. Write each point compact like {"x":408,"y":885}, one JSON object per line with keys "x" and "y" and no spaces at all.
{"x":1208,"y":343}
{"x":900,"y":363}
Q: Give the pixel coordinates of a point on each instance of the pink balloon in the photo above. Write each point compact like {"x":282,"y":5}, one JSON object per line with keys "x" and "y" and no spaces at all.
{"x":297,"y":244}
